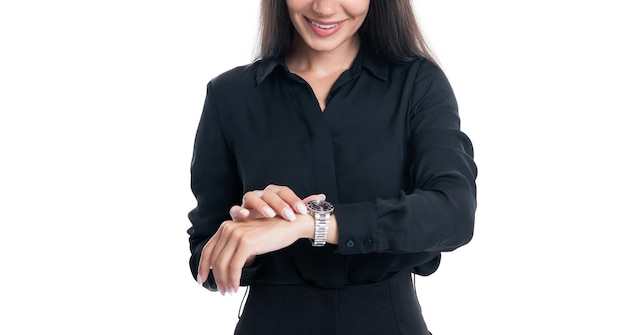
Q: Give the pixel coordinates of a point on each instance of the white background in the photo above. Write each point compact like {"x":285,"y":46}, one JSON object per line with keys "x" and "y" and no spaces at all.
{"x":99,"y":103}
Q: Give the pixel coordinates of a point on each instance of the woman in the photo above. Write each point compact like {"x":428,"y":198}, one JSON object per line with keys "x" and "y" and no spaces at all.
{"x":347,"y":107}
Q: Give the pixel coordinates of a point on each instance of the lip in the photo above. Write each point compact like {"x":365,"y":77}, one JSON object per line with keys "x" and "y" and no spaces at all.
{"x":324,"y":28}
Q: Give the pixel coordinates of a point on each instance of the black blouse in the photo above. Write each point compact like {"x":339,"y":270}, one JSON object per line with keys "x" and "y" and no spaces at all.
{"x":387,"y":152}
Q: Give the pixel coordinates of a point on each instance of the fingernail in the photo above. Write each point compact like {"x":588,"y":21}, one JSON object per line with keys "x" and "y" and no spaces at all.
{"x":244,"y":212}
{"x":231,"y":292}
{"x":199,"y":280}
{"x":302,"y":208}
{"x":289,"y":214}
{"x":323,"y":196}
{"x":269,"y":212}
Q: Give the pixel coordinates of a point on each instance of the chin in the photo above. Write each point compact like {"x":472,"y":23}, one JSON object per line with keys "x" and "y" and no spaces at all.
{"x":326,"y":46}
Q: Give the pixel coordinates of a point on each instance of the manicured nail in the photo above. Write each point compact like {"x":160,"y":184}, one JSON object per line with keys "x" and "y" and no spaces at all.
{"x":269,"y":212}
{"x":244,"y":212}
{"x":231,"y":292}
{"x":289,"y":214}
{"x":199,"y":280}
{"x":302,"y":208}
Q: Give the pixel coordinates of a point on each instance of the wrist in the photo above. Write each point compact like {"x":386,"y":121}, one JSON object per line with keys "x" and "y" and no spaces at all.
{"x":307,"y":226}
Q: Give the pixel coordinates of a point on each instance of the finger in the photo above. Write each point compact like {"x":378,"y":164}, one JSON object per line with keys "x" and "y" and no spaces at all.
{"x":253,"y":202}
{"x":225,"y":231}
{"x":222,"y":260}
{"x":238,"y":213}
{"x":280,"y":206}
{"x":205,"y":259}
{"x":290,"y":197}
{"x":231,"y":233}
{"x":237,"y":262}
{"x":213,"y":248}
{"x":313,"y":197}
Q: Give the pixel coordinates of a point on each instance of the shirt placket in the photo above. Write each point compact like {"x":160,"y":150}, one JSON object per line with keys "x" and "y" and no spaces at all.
{"x":321,"y":141}
{"x":331,"y":272}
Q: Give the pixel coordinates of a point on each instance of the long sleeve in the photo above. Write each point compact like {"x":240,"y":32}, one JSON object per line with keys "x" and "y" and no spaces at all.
{"x":387,"y":151}
{"x":438,"y":213}
{"x":216,"y":186}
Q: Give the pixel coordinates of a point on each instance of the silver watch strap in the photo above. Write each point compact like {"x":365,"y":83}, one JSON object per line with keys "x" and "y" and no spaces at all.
{"x":322,"y":221}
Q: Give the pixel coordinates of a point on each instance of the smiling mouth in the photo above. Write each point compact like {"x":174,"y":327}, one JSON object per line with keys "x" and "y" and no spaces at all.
{"x":324,"y":26}
{"x":325,"y":29}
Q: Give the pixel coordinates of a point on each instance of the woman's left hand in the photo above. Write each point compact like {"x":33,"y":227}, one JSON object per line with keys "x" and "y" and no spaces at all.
{"x":235,"y":241}
{"x":272,"y":201}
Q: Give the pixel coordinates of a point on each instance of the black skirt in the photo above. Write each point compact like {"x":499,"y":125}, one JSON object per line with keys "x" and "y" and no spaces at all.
{"x":388,"y":307}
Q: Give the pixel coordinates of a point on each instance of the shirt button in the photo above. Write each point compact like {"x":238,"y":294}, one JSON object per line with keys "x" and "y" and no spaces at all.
{"x":368,"y":242}
{"x":350,"y":244}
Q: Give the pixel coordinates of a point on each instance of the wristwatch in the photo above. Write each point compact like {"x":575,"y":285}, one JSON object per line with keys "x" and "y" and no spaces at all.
{"x":321,"y":211}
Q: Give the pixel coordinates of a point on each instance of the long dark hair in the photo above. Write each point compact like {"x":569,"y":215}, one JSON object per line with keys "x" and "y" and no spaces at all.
{"x":390,"y":30}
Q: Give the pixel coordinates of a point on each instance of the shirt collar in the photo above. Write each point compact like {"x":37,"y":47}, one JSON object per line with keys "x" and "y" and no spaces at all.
{"x":364,"y":59}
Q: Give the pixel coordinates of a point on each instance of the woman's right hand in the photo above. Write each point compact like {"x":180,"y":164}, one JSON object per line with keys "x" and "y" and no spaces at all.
{"x":273,"y":200}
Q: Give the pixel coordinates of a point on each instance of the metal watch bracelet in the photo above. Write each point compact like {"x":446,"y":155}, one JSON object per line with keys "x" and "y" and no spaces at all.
{"x":322,"y":222}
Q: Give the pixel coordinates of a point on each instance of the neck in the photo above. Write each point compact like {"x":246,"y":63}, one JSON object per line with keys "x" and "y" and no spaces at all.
{"x":302,"y":58}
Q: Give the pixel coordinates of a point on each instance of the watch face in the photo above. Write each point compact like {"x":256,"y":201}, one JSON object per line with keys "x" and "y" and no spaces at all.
{"x":320,"y":206}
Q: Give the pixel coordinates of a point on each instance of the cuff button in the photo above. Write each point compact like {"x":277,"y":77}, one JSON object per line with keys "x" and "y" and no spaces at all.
{"x":350,"y":244}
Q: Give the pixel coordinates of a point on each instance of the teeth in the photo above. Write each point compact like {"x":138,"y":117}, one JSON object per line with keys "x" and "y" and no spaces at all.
{"x":323,"y":26}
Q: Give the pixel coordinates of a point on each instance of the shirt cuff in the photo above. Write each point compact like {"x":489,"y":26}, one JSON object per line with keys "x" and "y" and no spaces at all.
{"x":356,"y":228}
